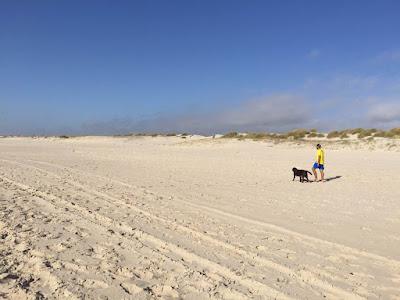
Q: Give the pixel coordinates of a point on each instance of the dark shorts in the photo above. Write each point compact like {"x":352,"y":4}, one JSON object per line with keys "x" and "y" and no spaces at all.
{"x":318,"y":166}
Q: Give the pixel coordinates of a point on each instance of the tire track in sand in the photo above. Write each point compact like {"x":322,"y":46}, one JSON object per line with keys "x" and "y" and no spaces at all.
{"x":186,"y":255}
{"x":99,"y":220}
{"x":273,"y":227}
{"x":41,"y":216}
{"x":303,"y":276}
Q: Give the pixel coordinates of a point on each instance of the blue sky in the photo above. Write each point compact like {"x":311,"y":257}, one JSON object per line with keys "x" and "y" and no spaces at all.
{"x":102,"y":67}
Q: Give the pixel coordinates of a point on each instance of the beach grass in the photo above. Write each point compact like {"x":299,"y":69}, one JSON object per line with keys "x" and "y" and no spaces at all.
{"x":303,"y":134}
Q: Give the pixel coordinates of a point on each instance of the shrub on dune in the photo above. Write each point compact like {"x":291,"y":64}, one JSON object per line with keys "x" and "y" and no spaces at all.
{"x":231,"y":135}
{"x":334,"y":134}
{"x":360,"y":132}
{"x":314,"y":134}
{"x":257,"y":135}
{"x":395,"y":132}
{"x":392,"y":133}
{"x":297,"y":134}
{"x":355,"y":130}
{"x":366,"y":133}
{"x":380,"y":133}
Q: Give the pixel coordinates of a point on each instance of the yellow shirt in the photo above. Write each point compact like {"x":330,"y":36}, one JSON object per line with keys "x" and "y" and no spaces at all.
{"x":321,"y":154}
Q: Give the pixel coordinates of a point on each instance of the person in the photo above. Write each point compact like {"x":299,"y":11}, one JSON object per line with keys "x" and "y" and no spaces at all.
{"x":319,"y":163}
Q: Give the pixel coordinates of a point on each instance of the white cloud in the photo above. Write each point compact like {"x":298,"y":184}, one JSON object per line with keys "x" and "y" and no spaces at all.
{"x":336,"y":102}
{"x":273,"y":113}
{"x":385,"y":113}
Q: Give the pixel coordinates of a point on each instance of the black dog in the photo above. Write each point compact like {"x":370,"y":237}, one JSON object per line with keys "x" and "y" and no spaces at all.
{"x":303,"y":174}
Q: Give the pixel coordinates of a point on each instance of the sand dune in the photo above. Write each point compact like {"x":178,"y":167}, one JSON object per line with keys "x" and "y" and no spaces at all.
{"x":143,"y":218}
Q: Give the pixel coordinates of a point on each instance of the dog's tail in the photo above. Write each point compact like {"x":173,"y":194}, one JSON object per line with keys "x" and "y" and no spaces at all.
{"x":309,"y":172}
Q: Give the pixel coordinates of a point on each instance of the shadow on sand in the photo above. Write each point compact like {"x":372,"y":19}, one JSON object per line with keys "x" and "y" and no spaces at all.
{"x":332,"y":178}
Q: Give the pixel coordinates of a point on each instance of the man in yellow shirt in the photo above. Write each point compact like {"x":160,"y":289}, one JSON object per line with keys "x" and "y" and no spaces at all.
{"x":319,"y":163}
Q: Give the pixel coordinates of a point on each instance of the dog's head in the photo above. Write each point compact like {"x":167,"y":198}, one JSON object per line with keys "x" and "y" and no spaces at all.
{"x":294,"y":169}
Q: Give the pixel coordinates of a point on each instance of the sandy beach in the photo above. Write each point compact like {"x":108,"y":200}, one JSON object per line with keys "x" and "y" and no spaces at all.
{"x":196,"y":218}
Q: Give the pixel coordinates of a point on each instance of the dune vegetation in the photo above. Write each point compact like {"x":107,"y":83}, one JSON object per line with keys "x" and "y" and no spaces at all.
{"x":299,"y":134}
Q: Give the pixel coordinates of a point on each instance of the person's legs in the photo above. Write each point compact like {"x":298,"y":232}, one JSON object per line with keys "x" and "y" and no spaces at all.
{"x":315,"y":174}
{"x":322,"y":174}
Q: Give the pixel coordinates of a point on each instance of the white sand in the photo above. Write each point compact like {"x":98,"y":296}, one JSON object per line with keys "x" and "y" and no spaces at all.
{"x":141,"y":218}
